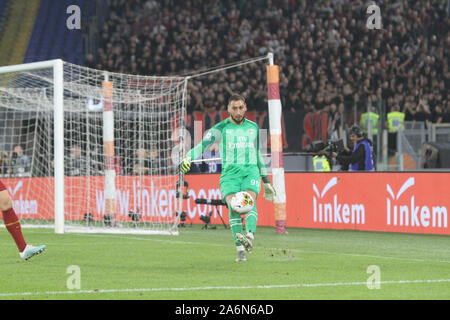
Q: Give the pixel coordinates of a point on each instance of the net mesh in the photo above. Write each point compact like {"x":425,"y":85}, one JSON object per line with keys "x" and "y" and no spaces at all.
{"x":147,"y":112}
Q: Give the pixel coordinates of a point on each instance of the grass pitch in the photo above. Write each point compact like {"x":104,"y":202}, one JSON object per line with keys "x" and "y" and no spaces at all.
{"x":200,"y":264}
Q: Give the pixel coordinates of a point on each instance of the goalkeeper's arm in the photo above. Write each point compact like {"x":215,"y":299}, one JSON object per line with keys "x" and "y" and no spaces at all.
{"x":197,"y":151}
{"x":269,"y":191}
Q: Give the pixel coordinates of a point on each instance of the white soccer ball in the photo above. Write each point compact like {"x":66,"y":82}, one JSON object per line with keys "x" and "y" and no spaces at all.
{"x":242,"y":202}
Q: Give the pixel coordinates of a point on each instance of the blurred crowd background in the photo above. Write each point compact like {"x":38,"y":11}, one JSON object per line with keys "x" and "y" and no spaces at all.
{"x":329,"y":60}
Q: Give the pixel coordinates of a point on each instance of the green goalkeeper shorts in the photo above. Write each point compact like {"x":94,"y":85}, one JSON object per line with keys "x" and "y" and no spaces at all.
{"x":244,"y":178}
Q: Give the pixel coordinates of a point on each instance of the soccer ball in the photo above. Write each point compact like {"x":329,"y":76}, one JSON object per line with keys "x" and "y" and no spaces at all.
{"x":242,"y":202}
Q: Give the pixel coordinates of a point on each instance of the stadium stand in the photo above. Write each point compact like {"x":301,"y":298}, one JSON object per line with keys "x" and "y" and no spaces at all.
{"x":330,"y":63}
{"x":51,"y":38}
{"x":15,"y":30}
{"x":4,"y":10}
{"x":329,"y":59}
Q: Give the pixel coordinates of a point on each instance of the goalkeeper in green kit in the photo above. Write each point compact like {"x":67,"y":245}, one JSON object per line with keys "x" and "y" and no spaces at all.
{"x":242,"y":169}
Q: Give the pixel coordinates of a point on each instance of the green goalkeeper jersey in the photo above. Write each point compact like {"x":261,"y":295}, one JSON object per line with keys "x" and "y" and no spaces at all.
{"x":239,"y":146}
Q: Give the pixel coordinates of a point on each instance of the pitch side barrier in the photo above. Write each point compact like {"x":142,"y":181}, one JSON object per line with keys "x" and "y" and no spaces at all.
{"x":411,"y":202}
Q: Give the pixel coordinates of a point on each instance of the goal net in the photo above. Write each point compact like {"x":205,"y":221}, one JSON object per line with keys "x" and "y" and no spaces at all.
{"x":84,"y":150}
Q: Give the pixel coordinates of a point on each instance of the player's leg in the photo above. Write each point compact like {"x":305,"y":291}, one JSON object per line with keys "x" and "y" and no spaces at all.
{"x":11,"y":220}
{"x":252,"y":185}
{"x":251,"y":218}
{"x":236,"y":229}
{"x":229,"y":186}
{"x":235,"y":220}
{"x":13,"y":226}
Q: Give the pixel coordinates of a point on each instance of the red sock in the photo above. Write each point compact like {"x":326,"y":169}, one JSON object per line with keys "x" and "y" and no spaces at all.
{"x":12,"y":224}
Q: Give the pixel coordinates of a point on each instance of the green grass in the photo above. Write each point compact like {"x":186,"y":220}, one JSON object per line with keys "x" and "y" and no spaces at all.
{"x":199,"y":264}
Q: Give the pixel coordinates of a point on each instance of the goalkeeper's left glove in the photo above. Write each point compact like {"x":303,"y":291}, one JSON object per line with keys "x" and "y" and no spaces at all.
{"x":269,"y":191}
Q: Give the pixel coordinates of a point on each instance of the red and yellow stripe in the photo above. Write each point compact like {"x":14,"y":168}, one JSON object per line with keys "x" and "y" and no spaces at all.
{"x":276,"y":145}
{"x":108,"y":148}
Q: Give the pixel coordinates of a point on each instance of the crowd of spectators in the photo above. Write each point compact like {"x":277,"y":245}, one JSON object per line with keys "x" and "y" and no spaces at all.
{"x":78,"y":163}
{"x":15,"y":163}
{"x":329,"y":60}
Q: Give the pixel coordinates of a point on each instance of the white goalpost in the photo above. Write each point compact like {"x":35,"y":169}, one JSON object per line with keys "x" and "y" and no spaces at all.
{"x":97,"y":148}
{"x":91,"y":151}
{"x":9,"y":74}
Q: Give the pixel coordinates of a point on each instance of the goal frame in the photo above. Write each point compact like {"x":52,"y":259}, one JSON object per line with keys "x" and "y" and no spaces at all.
{"x":58,"y":125}
{"x":57,"y":67}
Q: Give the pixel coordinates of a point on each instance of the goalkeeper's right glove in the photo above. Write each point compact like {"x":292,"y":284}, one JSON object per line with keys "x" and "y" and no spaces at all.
{"x":185,"y":165}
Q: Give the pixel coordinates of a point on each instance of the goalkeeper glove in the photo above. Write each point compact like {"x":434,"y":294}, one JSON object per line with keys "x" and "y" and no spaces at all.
{"x":269,"y":191}
{"x":185,"y":165}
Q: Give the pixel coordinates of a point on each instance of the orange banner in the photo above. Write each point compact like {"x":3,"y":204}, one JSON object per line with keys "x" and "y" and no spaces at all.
{"x":391,"y":202}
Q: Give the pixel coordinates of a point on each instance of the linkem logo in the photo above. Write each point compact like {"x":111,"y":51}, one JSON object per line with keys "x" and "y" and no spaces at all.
{"x":22,"y":206}
{"x":400,"y":214}
{"x":335,"y":212}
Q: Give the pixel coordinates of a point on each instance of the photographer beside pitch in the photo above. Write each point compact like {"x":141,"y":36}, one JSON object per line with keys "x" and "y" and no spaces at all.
{"x":242,"y":169}
{"x":361,"y":157}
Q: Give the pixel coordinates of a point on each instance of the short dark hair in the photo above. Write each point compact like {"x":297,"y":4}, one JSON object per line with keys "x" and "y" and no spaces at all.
{"x":236,"y":97}
{"x":356,"y":130}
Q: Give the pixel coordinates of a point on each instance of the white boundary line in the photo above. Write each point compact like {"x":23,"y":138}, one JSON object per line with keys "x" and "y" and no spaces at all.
{"x":299,"y":285}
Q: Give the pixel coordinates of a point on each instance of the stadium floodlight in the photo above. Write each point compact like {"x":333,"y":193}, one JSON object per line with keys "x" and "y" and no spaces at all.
{"x":82,"y":130}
